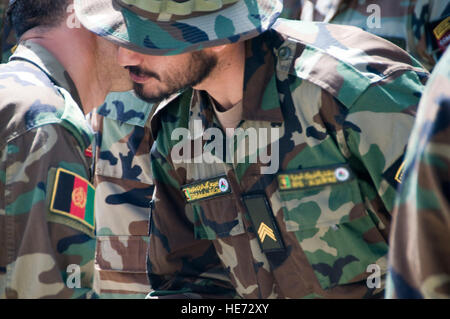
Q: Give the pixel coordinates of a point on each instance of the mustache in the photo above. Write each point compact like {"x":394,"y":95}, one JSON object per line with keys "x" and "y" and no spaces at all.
{"x":141,"y":72}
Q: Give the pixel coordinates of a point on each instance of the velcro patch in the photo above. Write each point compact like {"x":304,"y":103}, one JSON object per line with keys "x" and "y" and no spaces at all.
{"x":264,"y":223}
{"x":206,"y":189}
{"x":442,"y":33}
{"x":394,"y":174}
{"x":307,"y":178}
{"x":73,"y":197}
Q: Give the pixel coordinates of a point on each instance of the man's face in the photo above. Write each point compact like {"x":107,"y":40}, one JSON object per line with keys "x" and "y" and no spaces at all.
{"x":158,"y":77}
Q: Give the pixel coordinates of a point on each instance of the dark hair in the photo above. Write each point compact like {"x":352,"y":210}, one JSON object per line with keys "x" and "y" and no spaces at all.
{"x":27,"y":14}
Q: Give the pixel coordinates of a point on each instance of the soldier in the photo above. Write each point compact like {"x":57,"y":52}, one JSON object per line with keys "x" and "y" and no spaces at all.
{"x":332,"y":105}
{"x":124,"y":188}
{"x":47,"y":226}
{"x":420,"y":254}
{"x":413,"y":24}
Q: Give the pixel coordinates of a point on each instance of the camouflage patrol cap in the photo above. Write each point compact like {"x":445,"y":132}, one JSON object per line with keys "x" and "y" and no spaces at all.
{"x":168,"y":27}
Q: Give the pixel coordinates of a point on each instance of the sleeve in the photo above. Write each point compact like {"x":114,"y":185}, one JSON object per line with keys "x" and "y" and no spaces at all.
{"x":179,"y":266}
{"x":45,"y":254}
{"x":377,"y":128}
{"x":419,"y":258}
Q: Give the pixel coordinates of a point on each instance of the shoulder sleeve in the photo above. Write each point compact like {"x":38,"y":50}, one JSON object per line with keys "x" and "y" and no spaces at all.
{"x":378,"y":126}
{"x":48,"y":254}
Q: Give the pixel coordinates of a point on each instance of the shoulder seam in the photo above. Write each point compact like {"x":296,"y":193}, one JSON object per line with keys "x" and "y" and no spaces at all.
{"x":291,"y":71}
{"x":18,"y":134}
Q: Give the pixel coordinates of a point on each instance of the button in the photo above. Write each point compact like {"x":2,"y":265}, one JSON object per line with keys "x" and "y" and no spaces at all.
{"x":335,"y":227}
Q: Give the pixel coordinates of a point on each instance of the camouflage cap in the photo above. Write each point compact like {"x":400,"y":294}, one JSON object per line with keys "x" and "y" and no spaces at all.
{"x":168,"y":27}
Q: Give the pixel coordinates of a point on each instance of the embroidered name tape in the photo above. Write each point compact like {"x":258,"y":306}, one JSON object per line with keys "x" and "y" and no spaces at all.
{"x":206,"y":189}
{"x":73,"y":197}
{"x":307,"y":178}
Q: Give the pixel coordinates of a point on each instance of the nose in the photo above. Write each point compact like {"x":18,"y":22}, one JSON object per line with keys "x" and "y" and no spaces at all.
{"x":127,"y":57}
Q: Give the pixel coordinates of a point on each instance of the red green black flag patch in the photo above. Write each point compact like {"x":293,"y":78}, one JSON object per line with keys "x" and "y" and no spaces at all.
{"x":73,"y":197}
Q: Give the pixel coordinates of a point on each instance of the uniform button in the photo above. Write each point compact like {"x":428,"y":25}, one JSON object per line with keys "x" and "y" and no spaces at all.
{"x":284,"y":52}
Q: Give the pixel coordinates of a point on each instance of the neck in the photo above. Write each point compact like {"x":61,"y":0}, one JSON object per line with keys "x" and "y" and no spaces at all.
{"x":226,"y":82}
{"x":77,"y":58}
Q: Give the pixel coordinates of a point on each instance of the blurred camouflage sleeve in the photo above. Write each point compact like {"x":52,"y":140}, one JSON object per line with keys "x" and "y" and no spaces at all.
{"x":179,"y":265}
{"x":419,"y":258}
{"x":430,"y":30}
{"x":40,"y":250}
{"x":376,"y":131}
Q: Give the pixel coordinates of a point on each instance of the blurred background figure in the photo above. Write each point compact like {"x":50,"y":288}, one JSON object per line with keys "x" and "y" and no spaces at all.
{"x":414,"y":25}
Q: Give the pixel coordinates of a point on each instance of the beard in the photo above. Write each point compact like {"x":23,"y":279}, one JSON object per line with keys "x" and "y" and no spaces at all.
{"x":198,"y":68}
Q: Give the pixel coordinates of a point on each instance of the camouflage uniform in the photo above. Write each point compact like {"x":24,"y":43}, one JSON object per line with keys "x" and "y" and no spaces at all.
{"x":43,"y":170}
{"x":124,"y":189}
{"x":409,"y":24}
{"x":344,"y":103}
{"x":420,"y":254}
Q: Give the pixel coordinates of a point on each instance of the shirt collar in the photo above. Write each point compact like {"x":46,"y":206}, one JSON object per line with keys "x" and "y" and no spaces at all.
{"x":261,"y":97}
{"x":39,"y":56}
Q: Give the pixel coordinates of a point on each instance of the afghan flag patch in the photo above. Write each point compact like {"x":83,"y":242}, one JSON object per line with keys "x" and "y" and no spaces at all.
{"x":73,"y":197}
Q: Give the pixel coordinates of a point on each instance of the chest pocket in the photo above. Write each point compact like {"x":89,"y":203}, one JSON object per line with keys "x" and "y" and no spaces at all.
{"x":338,"y":236}
{"x":125,"y":188}
{"x":217,"y":218}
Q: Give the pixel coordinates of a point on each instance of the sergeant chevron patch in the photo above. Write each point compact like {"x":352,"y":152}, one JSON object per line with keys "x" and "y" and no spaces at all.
{"x":73,"y":197}
{"x":264,"y":231}
{"x":264,"y":223}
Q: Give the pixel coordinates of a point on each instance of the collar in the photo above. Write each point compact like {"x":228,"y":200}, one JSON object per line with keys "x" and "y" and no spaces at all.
{"x":39,"y":56}
{"x":261,"y":97}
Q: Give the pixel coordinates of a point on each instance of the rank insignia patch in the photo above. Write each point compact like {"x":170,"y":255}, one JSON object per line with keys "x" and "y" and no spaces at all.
{"x":206,"y":189}
{"x":394,"y":174}
{"x":264,"y":231}
{"x":307,"y":178}
{"x":264,"y":223}
{"x":73,"y":197}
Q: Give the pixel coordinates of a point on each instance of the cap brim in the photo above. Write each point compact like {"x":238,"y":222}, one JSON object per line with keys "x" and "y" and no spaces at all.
{"x":240,"y":21}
